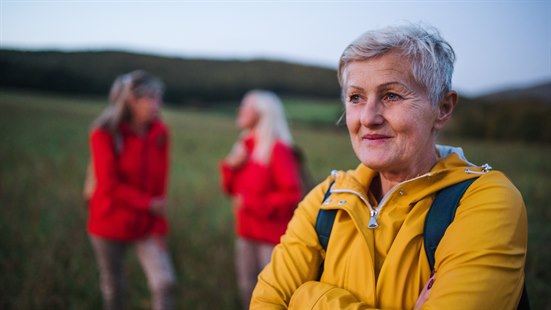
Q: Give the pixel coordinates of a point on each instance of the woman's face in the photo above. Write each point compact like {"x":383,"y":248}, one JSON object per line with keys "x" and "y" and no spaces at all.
{"x":145,"y":109}
{"x":247,"y":116}
{"x":389,"y":116}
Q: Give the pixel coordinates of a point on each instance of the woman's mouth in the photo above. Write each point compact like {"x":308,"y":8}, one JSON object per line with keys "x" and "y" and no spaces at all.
{"x":375,"y":138}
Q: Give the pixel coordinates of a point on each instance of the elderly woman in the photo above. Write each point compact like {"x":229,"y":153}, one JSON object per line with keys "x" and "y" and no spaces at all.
{"x":396,"y":88}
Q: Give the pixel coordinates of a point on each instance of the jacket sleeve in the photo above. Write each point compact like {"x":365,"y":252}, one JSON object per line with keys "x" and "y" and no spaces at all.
{"x":480,"y":259}
{"x":108,"y":182}
{"x":226,"y":178}
{"x":278,"y":186}
{"x":160,"y":225}
{"x":319,"y":295}
{"x":289,"y":280}
{"x":165,"y":164}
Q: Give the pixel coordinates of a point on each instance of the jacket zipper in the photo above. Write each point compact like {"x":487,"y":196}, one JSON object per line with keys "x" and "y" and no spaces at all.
{"x":374,"y":213}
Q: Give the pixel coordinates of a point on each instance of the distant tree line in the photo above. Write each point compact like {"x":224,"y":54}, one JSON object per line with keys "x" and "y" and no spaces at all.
{"x":527,"y":119}
{"x":511,"y":115}
{"x":188,"y":81}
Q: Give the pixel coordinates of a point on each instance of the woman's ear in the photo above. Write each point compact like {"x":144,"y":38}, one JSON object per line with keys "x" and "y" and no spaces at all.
{"x":445,"y":109}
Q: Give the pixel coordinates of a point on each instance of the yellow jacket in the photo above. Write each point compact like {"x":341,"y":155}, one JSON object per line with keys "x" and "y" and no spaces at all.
{"x":479,"y":261}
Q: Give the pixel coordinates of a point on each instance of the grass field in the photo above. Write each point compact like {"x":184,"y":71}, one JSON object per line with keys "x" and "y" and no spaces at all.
{"x":46,"y":260}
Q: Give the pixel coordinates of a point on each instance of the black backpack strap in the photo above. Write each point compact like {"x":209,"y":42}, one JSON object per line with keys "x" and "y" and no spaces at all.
{"x":324,"y":225}
{"x":440,"y":215}
{"x":324,"y":221}
{"x":524,"y":303}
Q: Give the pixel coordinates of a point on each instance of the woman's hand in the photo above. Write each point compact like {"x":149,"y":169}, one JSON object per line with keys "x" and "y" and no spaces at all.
{"x":236,"y":203}
{"x":237,"y":156}
{"x":158,"y":206}
{"x":424,"y":296}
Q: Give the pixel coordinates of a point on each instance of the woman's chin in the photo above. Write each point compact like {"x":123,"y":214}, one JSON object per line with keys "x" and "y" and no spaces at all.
{"x":373,"y":159}
{"x":373,"y":164}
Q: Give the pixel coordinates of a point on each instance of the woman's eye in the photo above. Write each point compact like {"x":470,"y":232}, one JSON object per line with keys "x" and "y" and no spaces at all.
{"x":391,"y":97}
{"x":354,"y":98}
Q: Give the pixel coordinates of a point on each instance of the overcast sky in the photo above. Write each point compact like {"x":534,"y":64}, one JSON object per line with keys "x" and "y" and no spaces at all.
{"x":499,"y":44}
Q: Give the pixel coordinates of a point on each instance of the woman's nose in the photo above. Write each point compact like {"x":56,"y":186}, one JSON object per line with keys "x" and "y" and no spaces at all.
{"x":372,"y":113}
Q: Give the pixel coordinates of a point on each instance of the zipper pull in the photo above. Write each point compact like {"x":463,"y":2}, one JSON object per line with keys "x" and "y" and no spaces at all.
{"x":373,"y":220}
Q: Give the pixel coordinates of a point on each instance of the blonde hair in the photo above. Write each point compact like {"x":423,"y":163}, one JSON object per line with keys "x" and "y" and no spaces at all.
{"x":271,"y":126}
{"x":135,"y":84}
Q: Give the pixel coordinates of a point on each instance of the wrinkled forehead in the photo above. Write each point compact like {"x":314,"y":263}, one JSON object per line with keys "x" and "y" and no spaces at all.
{"x":381,"y":69}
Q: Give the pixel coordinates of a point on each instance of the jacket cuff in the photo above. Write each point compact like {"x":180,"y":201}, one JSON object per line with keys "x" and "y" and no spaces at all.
{"x":319,"y":295}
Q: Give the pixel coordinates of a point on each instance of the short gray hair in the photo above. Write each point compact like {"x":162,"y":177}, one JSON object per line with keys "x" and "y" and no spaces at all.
{"x":431,"y":56}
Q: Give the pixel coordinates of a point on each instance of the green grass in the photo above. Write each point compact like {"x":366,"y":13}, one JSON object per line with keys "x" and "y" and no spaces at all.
{"x":312,"y":112}
{"x":46,"y":260}
{"x":301,"y":112}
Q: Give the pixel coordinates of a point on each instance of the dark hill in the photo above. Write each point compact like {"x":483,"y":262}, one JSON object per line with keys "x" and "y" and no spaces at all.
{"x":540,"y":93}
{"x":515,"y":114}
{"x":188,"y":80}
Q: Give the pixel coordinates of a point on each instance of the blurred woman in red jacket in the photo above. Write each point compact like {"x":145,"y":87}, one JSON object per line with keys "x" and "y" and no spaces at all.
{"x":261,"y":174}
{"x":130,"y":147}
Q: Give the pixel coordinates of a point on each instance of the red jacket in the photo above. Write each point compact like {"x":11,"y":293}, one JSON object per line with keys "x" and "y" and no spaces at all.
{"x":270,"y":193}
{"x":126,"y":181}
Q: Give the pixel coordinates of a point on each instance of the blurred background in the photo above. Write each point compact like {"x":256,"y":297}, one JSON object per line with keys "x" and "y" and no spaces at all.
{"x":59,"y":58}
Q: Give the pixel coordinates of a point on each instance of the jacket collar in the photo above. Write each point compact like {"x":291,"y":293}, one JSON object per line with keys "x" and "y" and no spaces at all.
{"x":447,"y":171}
